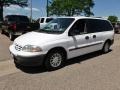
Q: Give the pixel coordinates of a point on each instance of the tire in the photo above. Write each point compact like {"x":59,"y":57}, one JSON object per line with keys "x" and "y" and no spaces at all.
{"x":1,"y":31}
{"x":54,"y":60}
{"x":11,"y":36}
{"x":119,"y":31}
{"x":17,"y":64}
{"x":106,"y":47}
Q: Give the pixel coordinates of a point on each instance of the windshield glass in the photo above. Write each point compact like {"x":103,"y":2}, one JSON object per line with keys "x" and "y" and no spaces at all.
{"x":58,"y":25}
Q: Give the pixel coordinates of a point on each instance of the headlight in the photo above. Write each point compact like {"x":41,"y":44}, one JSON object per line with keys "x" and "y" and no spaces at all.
{"x":31,"y":48}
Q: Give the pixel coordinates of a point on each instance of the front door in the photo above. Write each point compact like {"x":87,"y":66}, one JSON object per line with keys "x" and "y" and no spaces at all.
{"x":79,"y":39}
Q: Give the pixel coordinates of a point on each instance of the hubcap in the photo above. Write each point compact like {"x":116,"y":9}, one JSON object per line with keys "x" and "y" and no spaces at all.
{"x":56,"y":60}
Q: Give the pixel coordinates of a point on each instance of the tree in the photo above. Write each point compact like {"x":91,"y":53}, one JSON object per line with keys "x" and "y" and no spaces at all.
{"x":71,"y":7}
{"x":113,"y":19}
{"x":3,"y":3}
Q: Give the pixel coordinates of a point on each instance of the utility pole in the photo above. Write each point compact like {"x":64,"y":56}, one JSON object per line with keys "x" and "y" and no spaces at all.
{"x":47,"y":8}
{"x":31,"y":10}
{"x":1,"y":10}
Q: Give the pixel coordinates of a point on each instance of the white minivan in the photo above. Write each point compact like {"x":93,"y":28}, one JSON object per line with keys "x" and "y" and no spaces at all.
{"x":62,"y":39}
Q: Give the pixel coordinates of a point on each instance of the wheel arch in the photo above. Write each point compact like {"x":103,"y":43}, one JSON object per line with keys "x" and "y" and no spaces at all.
{"x":109,"y":41}
{"x":60,"y":49}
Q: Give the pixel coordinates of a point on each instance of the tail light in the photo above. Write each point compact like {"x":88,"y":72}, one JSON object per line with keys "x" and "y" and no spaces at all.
{"x":13,"y":26}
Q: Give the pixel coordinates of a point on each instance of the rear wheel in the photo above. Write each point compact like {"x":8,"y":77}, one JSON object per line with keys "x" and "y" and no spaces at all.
{"x":1,"y":31}
{"x":106,"y":47}
{"x":11,"y":36}
{"x":54,"y":60}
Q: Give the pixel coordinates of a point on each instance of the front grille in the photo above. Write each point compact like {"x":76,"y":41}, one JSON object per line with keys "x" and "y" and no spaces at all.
{"x":18,"y":47}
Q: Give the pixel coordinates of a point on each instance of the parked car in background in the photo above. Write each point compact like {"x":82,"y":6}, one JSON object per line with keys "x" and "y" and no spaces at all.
{"x":17,"y":25}
{"x":0,"y":24}
{"x":116,"y":27}
{"x":43,"y":21}
{"x":63,"y":38}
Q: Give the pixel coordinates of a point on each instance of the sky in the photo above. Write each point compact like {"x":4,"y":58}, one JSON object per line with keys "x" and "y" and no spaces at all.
{"x":102,"y":8}
{"x":105,"y":8}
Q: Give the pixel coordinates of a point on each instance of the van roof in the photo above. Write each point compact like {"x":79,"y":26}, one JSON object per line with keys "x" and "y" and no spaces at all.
{"x":77,"y":17}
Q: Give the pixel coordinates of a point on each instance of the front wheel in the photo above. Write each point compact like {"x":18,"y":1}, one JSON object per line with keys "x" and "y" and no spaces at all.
{"x":106,"y":47}
{"x":54,"y":60}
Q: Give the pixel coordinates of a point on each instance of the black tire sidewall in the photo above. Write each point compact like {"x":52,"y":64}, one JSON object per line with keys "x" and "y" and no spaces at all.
{"x":47,"y":60}
{"x":104,"y":51}
{"x":2,"y":32}
{"x":11,"y":36}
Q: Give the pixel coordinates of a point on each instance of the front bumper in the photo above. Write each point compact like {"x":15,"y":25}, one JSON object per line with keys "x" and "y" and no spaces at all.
{"x":27,"y":58}
{"x":29,"y":61}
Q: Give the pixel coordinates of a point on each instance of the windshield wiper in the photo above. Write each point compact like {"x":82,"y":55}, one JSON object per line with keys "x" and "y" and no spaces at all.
{"x":40,"y":30}
{"x":48,"y":31}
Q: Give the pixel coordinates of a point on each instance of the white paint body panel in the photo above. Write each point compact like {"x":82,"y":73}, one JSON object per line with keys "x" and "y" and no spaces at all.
{"x":48,"y":41}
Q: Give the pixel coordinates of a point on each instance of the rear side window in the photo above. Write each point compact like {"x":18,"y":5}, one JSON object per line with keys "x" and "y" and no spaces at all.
{"x":107,"y":25}
{"x":96,"y":25}
{"x":42,"y":20}
{"x":48,"y":20}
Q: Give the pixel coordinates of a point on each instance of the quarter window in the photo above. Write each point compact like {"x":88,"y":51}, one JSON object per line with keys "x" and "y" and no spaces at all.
{"x":95,"y":25}
{"x":107,"y":25}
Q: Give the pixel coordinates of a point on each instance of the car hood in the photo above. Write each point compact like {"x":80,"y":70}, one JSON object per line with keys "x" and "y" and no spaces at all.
{"x":36,"y":38}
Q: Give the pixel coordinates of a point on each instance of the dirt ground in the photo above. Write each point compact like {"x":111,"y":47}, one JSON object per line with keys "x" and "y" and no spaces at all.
{"x":94,"y":71}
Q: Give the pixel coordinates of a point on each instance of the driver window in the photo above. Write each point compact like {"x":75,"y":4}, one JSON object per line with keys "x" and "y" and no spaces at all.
{"x":78,"y":28}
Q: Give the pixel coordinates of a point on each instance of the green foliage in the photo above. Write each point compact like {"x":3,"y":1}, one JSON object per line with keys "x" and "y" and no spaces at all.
{"x":113,"y":19}
{"x":3,"y":3}
{"x":16,"y":2}
{"x":71,"y":7}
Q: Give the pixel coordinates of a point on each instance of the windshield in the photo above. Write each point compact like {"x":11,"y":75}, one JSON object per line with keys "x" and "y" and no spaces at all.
{"x":58,"y":25}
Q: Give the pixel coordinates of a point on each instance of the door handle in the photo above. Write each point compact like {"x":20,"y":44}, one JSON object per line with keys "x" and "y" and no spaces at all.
{"x":94,"y":36}
{"x":87,"y":37}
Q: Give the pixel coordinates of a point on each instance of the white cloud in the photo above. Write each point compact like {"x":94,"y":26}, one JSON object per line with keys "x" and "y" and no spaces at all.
{"x":8,"y":13}
{"x":34,"y":9}
{"x":17,"y":8}
{"x":12,"y":8}
{"x":27,"y":8}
